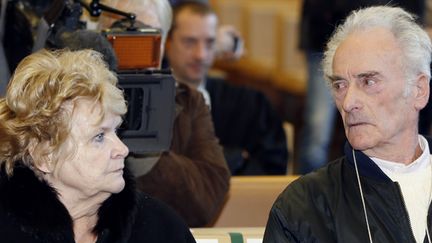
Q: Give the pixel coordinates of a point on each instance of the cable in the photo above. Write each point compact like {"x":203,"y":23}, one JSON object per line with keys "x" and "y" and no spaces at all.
{"x":362,"y":197}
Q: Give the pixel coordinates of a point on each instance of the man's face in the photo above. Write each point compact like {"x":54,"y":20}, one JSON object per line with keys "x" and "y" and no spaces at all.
{"x":369,"y":85}
{"x":190,"y":49}
{"x":96,"y":165}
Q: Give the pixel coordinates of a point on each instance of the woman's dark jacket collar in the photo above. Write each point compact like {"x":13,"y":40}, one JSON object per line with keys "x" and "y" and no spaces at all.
{"x":34,"y":205}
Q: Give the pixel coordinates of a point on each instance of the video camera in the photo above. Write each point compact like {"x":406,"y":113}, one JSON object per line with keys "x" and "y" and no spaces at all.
{"x":150,"y":92}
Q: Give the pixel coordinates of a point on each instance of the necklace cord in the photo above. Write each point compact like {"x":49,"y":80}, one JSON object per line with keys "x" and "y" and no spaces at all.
{"x":362,"y":198}
{"x":364,"y":204}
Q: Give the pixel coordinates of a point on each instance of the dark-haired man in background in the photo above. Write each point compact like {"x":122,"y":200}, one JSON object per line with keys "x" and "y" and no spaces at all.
{"x":192,"y":176}
{"x":245,"y":122}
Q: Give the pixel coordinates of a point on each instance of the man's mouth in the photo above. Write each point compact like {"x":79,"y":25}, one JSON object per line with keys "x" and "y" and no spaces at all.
{"x":356,"y":124}
{"x":197,"y":67}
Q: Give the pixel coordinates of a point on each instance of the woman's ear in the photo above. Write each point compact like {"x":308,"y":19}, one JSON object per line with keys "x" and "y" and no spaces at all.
{"x":422,"y":91}
{"x":40,"y":162}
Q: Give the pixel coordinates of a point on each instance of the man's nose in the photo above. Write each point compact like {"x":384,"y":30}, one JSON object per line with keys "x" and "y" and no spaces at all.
{"x":201,"y":51}
{"x":352,"y":98}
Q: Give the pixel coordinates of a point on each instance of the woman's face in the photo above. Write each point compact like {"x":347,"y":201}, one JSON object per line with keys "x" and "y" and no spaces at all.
{"x":96,"y":164}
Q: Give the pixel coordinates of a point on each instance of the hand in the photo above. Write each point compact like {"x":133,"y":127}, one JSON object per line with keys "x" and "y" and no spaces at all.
{"x":229,"y":43}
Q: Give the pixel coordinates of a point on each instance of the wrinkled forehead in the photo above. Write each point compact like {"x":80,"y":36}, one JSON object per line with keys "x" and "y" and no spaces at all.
{"x":370,"y":49}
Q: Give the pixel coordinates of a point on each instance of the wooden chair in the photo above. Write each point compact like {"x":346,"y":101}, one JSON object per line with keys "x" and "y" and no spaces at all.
{"x":290,"y":138}
{"x":228,"y":235}
{"x":250,"y":199}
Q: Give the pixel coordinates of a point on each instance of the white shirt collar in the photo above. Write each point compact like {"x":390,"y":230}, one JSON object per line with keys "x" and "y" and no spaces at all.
{"x":201,"y":88}
{"x":420,"y":163}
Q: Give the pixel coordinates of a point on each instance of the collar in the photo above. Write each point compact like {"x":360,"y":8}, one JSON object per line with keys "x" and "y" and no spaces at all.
{"x":33,"y":205}
{"x":203,"y":84}
{"x":205,"y":95}
{"x":181,"y":89}
{"x":366,"y":166}
{"x":399,"y":168}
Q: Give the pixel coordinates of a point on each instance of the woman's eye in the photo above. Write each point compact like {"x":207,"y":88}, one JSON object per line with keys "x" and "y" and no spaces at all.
{"x":100,"y":137}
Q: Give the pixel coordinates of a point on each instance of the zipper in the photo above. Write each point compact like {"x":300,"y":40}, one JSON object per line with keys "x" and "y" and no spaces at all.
{"x":405,"y":210}
{"x":428,"y":225}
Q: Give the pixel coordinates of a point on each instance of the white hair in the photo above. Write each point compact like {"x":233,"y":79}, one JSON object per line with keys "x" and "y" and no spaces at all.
{"x":414,"y":41}
{"x":162,"y":8}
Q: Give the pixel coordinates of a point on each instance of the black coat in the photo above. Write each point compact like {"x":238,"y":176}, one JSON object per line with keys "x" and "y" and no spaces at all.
{"x":244,"y":119}
{"x":30,"y":212}
{"x":325,"y":206}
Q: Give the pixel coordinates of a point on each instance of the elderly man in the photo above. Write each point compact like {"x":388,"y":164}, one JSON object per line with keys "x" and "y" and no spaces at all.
{"x":377,"y":63}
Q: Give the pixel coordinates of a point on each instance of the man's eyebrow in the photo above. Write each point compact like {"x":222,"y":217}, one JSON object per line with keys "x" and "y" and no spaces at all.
{"x":334,"y":77}
{"x":211,"y":39}
{"x":358,"y":76}
{"x":367,"y":74}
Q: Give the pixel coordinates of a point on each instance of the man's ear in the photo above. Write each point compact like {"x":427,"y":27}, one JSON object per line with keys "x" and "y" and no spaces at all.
{"x":421,"y":91}
{"x":40,"y":162}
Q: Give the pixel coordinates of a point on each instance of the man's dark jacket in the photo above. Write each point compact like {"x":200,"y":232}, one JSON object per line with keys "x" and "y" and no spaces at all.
{"x":30,"y":212}
{"x":192,"y":177}
{"x":244,"y":120}
{"x":325,"y":206}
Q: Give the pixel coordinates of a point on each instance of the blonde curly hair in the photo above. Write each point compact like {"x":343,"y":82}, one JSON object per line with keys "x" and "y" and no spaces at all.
{"x":33,"y":111}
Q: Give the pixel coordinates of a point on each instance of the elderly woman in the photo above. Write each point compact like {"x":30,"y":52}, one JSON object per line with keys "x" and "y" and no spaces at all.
{"x":62,"y":176}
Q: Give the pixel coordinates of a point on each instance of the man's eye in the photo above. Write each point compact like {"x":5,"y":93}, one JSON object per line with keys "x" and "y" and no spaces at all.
{"x":188,"y":42}
{"x":210,"y":43}
{"x":100,"y":137}
{"x":338,"y":85}
{"x":369,"y":82}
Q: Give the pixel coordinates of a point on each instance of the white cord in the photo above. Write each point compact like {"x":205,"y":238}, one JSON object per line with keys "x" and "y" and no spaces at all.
{"x":429,"y":201}
{"x":362,"y":197}
{"x":364,"y":205}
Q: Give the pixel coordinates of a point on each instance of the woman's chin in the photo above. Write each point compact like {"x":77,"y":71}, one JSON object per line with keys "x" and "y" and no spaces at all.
{"x":117,"y":185}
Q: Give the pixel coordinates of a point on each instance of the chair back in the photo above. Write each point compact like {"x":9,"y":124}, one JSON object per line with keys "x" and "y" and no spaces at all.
{"x":250,"y":199}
